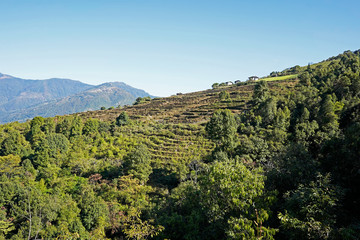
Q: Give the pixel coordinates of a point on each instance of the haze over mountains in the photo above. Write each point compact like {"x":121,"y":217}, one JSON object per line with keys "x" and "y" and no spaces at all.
{"x":22,"y":99}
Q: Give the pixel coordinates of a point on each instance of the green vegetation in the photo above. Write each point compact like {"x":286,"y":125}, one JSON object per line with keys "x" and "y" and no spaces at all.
{"x":224,"y":96}
{"x":101,"y":178}
{"x":269,"y":160}
{"x":215,"y":85}
{"x":141,"y":100}
{"x":122,"y":119}
{"x":286,"y":77}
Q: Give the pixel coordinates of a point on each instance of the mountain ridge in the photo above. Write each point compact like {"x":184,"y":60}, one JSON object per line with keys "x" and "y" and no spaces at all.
{"x":22,"y":99}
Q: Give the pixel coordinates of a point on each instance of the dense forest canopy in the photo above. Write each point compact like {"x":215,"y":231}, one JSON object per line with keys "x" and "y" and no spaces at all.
{"x":286,"y":168}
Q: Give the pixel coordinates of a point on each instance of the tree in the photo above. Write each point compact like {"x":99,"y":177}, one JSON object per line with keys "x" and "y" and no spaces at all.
{"x":9,"y":165}
{"x":292,"y":166}
{"x":355,"y":86}
{"x":261,"y":92}
{"x":35,"y":135}
{"x":76,"y":127}
{"x":105,"y":127}
{"x":305,"y":132}
{"x":282,"y":119}
{"x":14,"y":143}
{"x":37,"y":121}
{"x":267,"y":110}
{"x":58,"y":144}
{"x":64,"y":126}
{"x":91,"y":126}
{"x":184,"y":217}
{"x":34,"y":209}
{"x":93,"y":209}
{"x":296,"y":69}
{"x":327,"y":117}
{"x":135,"y":228}
{"x":48,"y":126}
{"x":122,"y":119}
{"x":255,"y":148}
{"x":140,"y":100}
{"x":41,"y":151}
{"x":305,"y":79}
{"x":222,"y":129}
{"x":233,"y":197}
{"x":215,"y":85}
{"x":6,"y":224}
{"x":138,"y":163}
{"x":127,"y":201}
{"x":311,"y":210}
{"x":224,"y":96}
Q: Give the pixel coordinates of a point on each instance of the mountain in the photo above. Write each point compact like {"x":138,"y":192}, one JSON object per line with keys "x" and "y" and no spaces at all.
{"x":133,"y":91}
{"x":22,"y":99}
{"x":17,"y":93}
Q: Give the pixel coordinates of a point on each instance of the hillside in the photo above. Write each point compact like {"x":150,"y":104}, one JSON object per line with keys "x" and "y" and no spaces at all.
{"x":22,"y":99}
{"x":258,"y":160}
{"x":196,"y":107}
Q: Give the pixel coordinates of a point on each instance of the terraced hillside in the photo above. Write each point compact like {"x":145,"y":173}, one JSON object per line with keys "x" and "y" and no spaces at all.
{"x":172,"y":146}
{"x":173,"y":128}
{"x":196,"y":107}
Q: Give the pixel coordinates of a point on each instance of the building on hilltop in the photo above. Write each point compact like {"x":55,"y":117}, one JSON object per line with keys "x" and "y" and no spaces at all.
{"x":229,"y":83}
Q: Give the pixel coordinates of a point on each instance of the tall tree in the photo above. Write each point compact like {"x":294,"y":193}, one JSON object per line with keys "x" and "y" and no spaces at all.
{"x":233,"y":196}
{"x":122,"y":119}
{"x":261,"y":92}
{"x":138,"y":163}
{"x":222,"y":129}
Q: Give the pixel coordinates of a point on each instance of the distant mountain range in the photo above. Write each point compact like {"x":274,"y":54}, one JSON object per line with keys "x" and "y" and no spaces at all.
{"x":22,"y":99}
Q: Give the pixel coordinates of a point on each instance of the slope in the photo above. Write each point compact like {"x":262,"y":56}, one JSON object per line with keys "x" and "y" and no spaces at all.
{"x":196,"y":107}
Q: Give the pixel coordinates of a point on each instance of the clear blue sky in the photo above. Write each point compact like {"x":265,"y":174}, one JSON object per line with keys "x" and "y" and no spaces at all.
{"x":165,"y":46}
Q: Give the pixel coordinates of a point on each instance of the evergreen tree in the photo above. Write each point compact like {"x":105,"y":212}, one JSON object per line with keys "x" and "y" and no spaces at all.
{"x":122,"y":119}
{"x":327,"y":117}
{"x":222,"y":129}
{"x":76,"y":127}
{"x":261,"y":92}
{"x":91,"y":126}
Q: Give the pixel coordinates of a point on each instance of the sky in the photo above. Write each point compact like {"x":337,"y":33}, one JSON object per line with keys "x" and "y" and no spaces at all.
{"x":166,"y":47}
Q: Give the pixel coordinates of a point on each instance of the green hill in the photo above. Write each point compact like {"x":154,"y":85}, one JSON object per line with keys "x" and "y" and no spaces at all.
{"x":259,"y":160}
{"x":196,"y":107}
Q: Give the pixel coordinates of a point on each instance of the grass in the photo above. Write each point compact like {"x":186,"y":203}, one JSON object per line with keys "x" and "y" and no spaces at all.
{"x":287,"y":77}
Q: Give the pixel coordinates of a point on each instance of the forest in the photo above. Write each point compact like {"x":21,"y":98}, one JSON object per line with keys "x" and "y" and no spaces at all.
{"x":288,"y":167}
